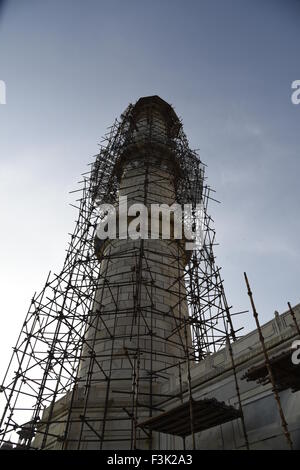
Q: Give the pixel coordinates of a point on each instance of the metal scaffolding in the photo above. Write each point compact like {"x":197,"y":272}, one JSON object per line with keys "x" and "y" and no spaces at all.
{"x":48,"y":399}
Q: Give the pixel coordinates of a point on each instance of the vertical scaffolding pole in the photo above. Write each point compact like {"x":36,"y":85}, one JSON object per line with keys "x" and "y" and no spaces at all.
{"x":294,"y":318}
{"x":269,"y":367}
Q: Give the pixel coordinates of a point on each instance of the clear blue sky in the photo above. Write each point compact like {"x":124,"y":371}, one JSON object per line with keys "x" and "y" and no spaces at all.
{"x":72,"y":66}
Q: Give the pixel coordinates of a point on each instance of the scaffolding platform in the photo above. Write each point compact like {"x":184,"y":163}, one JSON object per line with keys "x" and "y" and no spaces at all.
{"x":207,"y":413}
{"x":286,"y":374}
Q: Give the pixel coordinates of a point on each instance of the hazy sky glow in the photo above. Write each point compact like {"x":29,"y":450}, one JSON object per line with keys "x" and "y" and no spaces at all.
{"x":71,"y":67}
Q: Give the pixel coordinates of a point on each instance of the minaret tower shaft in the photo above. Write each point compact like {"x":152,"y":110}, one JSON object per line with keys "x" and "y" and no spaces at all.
{"x":137,"y":333}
